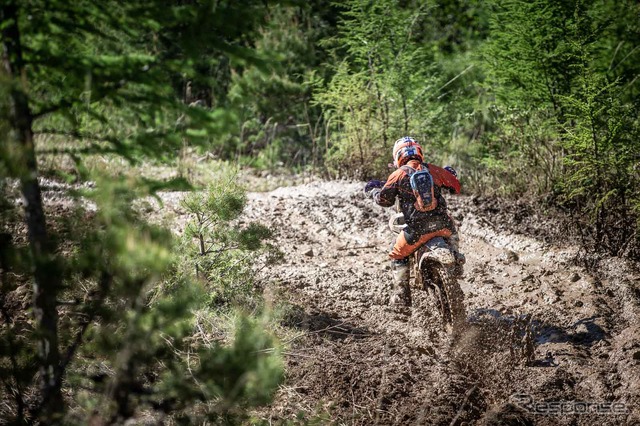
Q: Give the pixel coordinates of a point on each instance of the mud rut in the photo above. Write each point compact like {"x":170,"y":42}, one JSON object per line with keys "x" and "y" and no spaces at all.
{"x":360,"y":363}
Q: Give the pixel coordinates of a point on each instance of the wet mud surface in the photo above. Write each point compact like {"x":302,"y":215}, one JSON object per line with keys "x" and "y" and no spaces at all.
{"x":354,"y":360}
{"x":542,"y":334}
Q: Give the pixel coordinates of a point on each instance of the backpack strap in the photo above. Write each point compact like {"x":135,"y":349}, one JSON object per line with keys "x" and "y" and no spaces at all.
{"x":408,"y":170}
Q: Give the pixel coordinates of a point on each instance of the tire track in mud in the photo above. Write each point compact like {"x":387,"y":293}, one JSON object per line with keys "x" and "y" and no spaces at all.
{"x":361,"y":363}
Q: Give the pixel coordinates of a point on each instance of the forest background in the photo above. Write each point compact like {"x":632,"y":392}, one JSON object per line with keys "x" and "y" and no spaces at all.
{"x":105,"y":315}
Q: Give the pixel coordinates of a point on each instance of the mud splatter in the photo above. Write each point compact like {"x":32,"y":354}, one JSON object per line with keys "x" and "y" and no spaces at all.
{"x":538,"y":325}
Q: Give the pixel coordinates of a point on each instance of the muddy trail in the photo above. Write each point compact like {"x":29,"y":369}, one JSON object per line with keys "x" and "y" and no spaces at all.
{"x":354,"y":360}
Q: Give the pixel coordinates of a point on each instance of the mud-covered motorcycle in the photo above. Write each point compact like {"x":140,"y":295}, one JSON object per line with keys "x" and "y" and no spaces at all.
{"x":434,"y":268}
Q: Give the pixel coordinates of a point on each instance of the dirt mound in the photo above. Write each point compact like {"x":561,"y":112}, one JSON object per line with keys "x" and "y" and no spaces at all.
{"x":545,"y":223}
{"x":548,"y":221}
{"x":540,"y":329}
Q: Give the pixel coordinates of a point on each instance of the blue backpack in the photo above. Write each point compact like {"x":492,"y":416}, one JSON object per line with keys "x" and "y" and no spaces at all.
{"x":423,"y":188}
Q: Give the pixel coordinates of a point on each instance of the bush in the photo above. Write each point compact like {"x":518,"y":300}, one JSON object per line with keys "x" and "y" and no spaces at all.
{"x":220,"y":252}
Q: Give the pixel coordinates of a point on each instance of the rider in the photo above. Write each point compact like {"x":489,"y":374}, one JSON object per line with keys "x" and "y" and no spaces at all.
{"x":421,"y":225}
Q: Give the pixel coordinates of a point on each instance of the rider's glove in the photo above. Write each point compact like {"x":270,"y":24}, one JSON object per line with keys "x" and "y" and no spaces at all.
{"x":451,"y":170}
{"x":371,"y":185}
{"x":374,"y":193}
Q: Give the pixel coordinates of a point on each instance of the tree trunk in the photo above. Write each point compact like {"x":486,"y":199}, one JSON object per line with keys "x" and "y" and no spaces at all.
{"x":46,"y":275}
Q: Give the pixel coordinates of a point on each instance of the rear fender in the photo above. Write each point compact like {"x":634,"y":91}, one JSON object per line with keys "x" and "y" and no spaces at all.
{"x":437,"y":250}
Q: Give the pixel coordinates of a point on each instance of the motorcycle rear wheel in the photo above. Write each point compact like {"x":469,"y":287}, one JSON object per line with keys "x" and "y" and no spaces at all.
{"x":444,"y":283}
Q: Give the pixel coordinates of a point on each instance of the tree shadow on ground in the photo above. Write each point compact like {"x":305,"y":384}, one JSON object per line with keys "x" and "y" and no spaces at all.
{"x":549,"y":333}
{"x":323,"y":324}
{"x":522,"y":332}
{"x":588,"y":336}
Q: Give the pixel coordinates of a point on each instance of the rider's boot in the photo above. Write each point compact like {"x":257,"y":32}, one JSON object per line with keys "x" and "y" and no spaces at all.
{"x":401,"y":297}
{"x":454,"y":242}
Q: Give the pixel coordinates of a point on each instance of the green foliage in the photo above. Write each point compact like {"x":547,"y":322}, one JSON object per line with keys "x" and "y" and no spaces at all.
{"x":118,"y":79}
{"x":379,"y":91}
{"x":529,"y":58}
{"x":115,"y":75}
{"x":529,"y":53}
{"x":547,"y":62}
{"x":141,"y":347}
{"x":221,"y":252}
{"x":497,"y":89}
{"x":408,"y":68}
{"x":601,"y":177}
{"x":239,"y":372}
{"x":278,"y":126}
{"x":164,"y":367}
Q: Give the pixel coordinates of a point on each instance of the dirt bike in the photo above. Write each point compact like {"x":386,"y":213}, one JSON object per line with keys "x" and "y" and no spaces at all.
{"x":434,"y":268}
